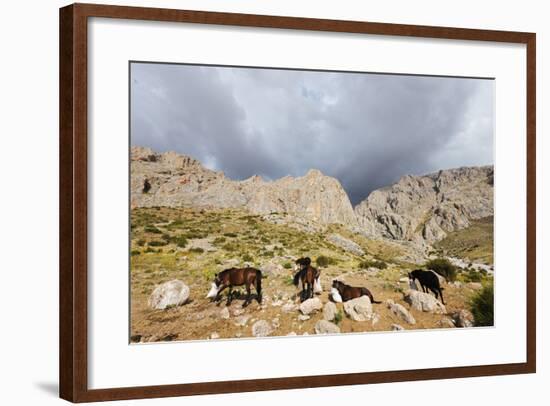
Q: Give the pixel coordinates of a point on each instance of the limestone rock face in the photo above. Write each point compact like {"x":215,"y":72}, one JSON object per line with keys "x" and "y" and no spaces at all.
{"x":181,"y":181}
{"x":426,"y":208}
{"x":346,"y":244}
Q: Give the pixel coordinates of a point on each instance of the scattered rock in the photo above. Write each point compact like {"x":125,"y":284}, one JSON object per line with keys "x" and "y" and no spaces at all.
{"x":311,"y":305}
{"x":272,"y":269}
{"x":292,"y":333}
{"x":289,"y":307}
{"x":261,"y":329}
{"x":359,"y":309}
{"x":169,"y":294}
{"x":241,"y":320}
{"x":214,"y":336}
{"x":375,"y":318}
{"x":326,"y":327}
{"x":424,"y":302}
{"x":329,"y":311}
{"x":346,"y":244}
{"x":446,"y":322}
{"x":475,"y":285}
{"x":303,"y":317}
{"x":275,"y":323}
{"x":463,"y":318}
{"x":397,"y":327}
{"x":401,"y":312}
{"x":224,"y":313}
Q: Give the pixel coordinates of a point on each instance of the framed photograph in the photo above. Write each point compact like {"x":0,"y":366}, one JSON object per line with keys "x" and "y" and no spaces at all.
{"x":254,"y":202}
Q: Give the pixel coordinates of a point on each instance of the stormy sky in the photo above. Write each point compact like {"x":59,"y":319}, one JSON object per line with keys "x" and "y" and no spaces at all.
{"x":366,"y":130}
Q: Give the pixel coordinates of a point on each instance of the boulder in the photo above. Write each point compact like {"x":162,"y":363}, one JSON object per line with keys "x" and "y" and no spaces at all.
{"x":169,"y":294}
{"x":272,"y":269}
{"x":346,"y":244}
{"x":261,"y":329}
{"x":303,"y":317}
{"x":359,"y":309}
{"x":446,"y":322}
{"x":326,"y":327}
{"x":289,"y":307}
{"x":424,"y":302}
{"x":311,"y":305}
{"x":401,"y":312}
{"x":463,"y":318}
{"x":329,"y":311}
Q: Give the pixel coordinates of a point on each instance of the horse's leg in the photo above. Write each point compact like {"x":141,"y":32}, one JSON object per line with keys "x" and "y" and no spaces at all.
{"x":441,"y":295}
{"x":229,"y":296}
{"x":247,"y":300}
{"x":219,"y":295}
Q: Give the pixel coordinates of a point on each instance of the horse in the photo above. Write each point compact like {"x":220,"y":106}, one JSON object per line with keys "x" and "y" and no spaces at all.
{"x":347,"y":292}
{"x":428,"y":281}
{"x":237,"y":277}
{"x":308,"y":276}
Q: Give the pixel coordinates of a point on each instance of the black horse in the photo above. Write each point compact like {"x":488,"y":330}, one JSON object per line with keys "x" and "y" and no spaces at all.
{"x":237,"y":277}
{"x":428,"y":281}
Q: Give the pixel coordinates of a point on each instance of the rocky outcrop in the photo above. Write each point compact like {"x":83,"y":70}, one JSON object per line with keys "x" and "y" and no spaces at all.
{"x":180,"y":181}
{"x":345,"y":244}
{"x":169,"y":294}
{"x":426,"y":208}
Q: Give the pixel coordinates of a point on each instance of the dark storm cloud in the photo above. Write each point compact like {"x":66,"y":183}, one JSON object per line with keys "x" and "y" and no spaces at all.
{"x":366,"y":130}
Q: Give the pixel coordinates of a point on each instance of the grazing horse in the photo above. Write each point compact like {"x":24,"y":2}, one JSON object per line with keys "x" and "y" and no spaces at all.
{"x":308,"y":276}
{"x":237,"y":277}
{"x":351,"y":292}
{"x":428,"y":281}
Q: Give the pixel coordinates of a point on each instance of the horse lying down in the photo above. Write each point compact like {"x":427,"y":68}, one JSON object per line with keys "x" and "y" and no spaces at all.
{"x":341,"y":292}
{"x":236,"y":277}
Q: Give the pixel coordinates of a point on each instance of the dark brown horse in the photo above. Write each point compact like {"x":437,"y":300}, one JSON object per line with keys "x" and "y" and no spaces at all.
{"x":237,"y":277}
{"x":351,"y":292}
{"x":307,"y":275}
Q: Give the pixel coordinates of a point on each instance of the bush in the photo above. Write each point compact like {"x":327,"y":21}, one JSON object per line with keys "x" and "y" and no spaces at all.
{"x":197,"y":250}
{"x":152,"y":229}
{"x":140,"y":242}
{"x":157,"y":243}
{"x":232,"y":235}
{"x":373,"y":264}
{"x":481,"y":306}
{"x":338,"y":317}
{"x":247,"y":258}
{"x":287,"y":265}
{"x":443,"y":267}
{"x":324,"y":261}
{"x":180,"y":241}
{"x":135,"y":252}
{"x":219,"y":240}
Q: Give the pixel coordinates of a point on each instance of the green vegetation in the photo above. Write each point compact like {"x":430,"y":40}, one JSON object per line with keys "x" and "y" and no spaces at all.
{"x":481,"y":306}
{"x":474,"y":242}
{"x":373,"y":264}
{"x":157,"y":243}
{"x":338,"y":317}
{"x":323,"y":261}
{"x":196,"y":250}
{"x":152,"y":229}
{"x":443,"y":267}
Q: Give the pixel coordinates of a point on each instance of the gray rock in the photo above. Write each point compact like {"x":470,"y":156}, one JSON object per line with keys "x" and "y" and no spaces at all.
{"x":224,"y":313}
{"x":241,"y":320}
{"x":214,"y":336}
{"x":326,"y":327}
{"x":169,"y":294}
{"x":463,"y":318}
{"x":289,"y":307}
{"x":303,"y":317}
{"x":346,"y":244}
{"x":275,"y":323}
{"x":401,"y":312}
{"x":311,"y":305}
{"x":261,"y":329}
{"x":424,"y":302}
{"x":329,"y":311}
{"x":359,"y":309}
{"x":446,"y":322}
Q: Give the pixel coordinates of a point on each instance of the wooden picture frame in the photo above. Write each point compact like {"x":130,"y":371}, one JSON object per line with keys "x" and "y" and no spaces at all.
{"x":73,"y":208}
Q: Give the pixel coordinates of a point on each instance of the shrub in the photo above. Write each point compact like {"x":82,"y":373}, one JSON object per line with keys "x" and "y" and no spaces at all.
{"x":481,"y":306}
{"x":443,"y":267}
{"x":287,"y":265}
{"x":338,"y":317}
{"x":372,"y":264}
{"x":197,"y":250}
{"x":230,"y":247}
{"x":152,"y":229}
{"x":247,"y":258}
{"x":324,"y":261}
{"x":180,"y":241}
{"x":140,"y":242}
{"x":232,"y":235}
{"x":135,"y":252}
{"x":219,"y":240}
{"x":157,"y":243}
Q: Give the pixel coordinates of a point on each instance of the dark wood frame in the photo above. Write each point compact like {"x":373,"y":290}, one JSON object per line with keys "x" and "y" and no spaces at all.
{"x":73,"y":201}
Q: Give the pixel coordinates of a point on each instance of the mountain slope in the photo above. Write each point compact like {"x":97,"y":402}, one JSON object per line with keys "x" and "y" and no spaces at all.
{"x":426,"y":208}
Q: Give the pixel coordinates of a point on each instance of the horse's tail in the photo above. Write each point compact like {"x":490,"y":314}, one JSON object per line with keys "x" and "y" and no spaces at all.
{"x":371,"y":297}
{"x":259,"y":283}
